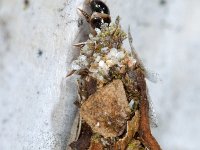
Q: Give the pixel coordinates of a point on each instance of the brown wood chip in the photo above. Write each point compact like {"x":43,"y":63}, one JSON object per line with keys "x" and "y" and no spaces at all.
{"x":107,"y":110}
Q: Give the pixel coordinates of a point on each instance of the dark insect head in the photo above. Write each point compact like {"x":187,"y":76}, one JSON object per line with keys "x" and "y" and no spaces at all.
{"x":99,"y":6}
{"x":97,"y":19}
{"x":100,"y":14}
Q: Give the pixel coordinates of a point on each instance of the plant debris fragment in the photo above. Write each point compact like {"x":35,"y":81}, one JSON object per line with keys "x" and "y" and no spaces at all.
{"x":107,"y":110}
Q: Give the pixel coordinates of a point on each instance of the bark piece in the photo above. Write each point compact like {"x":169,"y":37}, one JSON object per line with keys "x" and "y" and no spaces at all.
{"x":132,"y":128}
{"x":107,"y":110}
{"x":83,"y":142}
{"x":91,"y":85}
{"x":144,"y":128}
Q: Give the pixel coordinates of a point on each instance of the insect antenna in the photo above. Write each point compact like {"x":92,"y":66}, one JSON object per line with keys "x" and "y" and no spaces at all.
{"x":86,"y":15}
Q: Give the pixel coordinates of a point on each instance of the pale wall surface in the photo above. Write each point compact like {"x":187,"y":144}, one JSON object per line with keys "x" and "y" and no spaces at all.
{"x":36,"y":101}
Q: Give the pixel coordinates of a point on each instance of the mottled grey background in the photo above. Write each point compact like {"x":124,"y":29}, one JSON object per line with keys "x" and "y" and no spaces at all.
{"x":36,"y":100}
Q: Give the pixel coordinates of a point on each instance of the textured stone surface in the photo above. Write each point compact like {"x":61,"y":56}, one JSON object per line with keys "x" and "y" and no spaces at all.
{"x":36,"y":101}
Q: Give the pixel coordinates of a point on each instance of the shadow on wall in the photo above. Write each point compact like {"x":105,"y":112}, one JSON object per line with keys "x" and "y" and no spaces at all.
{"x":62,"y":120}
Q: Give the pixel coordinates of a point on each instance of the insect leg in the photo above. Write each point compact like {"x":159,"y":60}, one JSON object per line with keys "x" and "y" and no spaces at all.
{"x":80,"y":45}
